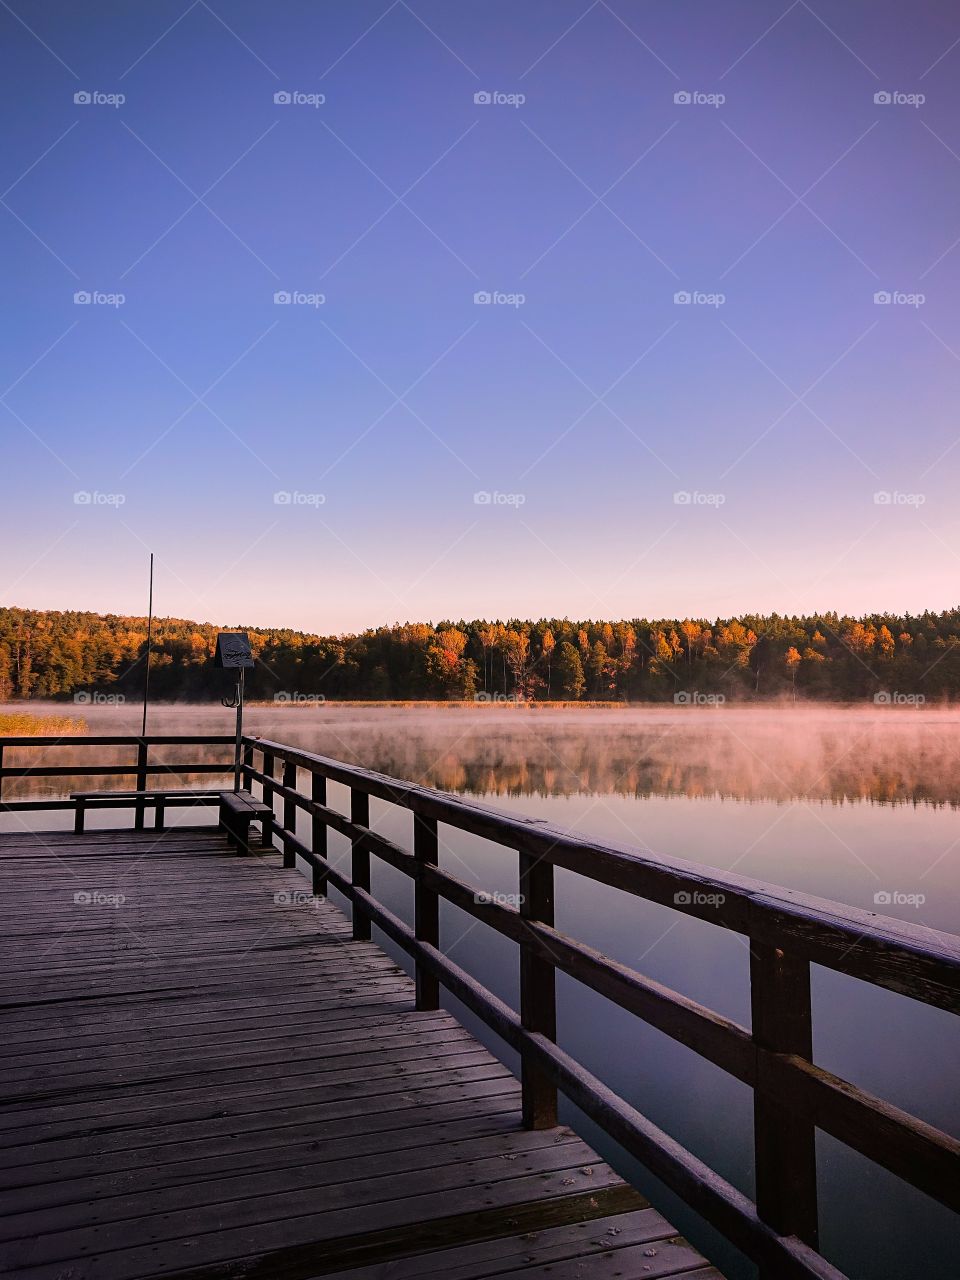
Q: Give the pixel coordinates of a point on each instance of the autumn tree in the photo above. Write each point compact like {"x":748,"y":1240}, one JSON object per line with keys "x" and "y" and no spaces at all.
{"x":736,"y":643}
{"x":445,"y":663}
{"x":570,"y":670}
{"x":793,"y":659}
{"x":547,"y":646}
{"x":693,"y":634}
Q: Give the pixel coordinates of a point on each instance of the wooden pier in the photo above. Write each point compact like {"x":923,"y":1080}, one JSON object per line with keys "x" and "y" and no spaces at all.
{"x":205,"y":1074}
{"x":212,"y":1073}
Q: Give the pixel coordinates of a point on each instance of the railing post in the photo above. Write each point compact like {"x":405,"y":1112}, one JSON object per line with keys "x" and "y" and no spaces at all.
{"x":538,"y":996}
{"x":426,"y":907}
{"x":318,"y":831}
{"x":289,"y":812}
{"x":268,"y":773}
{"x":1,"y":773}
{"x":360,"y":861}
{"x":268,"y":763}
{"x":245,"y":777}
{"x":141,"y":783}
{"x":784,"y":1143}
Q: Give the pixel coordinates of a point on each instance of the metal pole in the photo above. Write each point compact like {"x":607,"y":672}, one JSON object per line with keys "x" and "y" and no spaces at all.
{"x":237,"y":749}
{"x":146,"y":678}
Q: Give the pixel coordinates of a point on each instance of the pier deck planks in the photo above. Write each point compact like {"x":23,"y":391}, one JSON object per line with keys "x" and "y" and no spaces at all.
{"x":208,"y":1080}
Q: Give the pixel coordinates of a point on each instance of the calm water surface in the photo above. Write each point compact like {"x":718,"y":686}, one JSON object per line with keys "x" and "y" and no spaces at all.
{"x":843,"y":803}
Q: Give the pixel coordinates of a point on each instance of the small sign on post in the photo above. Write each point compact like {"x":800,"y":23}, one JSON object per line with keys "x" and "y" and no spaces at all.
{"x":234,"y":654}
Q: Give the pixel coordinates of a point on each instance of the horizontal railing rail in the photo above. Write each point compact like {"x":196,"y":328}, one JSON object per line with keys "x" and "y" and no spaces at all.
{"x":786,"y":930}
{"x":141,"y":768}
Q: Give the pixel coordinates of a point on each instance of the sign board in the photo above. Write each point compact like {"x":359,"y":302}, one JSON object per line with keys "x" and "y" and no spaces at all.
{"x":233,"y":650}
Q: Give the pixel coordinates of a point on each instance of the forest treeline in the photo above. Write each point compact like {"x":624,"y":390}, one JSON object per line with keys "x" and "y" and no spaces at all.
{"x":47,"y":654}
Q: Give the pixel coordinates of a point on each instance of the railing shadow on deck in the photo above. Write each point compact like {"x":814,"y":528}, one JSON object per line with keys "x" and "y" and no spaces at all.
{"x":787,"y":931}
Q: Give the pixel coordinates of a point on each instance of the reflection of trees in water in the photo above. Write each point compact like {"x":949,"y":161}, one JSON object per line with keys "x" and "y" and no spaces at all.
{"x":845,"y":757}
{"x":859,"y":760}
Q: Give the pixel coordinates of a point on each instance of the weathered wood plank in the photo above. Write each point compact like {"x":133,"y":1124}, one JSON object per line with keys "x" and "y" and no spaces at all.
{"x":492,"y":1257}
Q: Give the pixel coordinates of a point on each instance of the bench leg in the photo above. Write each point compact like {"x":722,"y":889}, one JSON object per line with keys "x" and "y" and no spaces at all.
{"x":158,"y":819}
{"x":243,"y":829}
{"x":225,"y":825}
{"x":78,"y":818}
{"x":266,"y":832}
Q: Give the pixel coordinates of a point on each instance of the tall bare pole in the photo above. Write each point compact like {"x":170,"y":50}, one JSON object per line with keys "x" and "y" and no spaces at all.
{"x":146,"y":678}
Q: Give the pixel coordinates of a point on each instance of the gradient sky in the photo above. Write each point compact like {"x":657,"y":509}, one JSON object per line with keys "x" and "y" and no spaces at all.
{"x":398,"y":399}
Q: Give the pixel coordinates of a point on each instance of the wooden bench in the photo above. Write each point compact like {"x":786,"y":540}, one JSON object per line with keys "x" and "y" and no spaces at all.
{"x":156,"y":798}
{"x":237,"y":810}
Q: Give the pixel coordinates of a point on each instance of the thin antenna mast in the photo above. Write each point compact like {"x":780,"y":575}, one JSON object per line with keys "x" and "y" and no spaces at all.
{"x":146,"y":678}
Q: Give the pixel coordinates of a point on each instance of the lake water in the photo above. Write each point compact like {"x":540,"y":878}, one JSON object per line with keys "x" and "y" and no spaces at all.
{"x":842,"y":803}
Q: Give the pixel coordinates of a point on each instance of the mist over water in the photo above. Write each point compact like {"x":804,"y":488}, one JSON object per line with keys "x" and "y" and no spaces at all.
{"x":842,"y":802}
{"x":850,"y":803}
{"x":886,"y":754}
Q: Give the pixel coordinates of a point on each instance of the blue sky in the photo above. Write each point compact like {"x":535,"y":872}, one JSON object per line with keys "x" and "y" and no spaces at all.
{"x":781,"y":400}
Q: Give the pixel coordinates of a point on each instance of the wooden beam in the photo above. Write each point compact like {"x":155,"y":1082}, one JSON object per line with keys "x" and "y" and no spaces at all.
{"x":318,"y":832}
{"x":538,"y":996}
{"x":360,"y":861}
{"x":289,"y":810}
{"x":426,"y":847}
{"x":784,"y":1140}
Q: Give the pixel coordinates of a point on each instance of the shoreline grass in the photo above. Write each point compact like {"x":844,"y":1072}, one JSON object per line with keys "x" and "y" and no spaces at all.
{"x":20,"y":724}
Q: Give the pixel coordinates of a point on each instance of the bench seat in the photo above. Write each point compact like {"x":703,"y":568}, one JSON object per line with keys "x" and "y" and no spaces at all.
{"x":237,"y":810}
{"x":156,"y":798}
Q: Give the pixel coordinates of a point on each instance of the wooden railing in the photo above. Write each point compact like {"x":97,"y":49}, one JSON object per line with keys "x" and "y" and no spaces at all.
{"x":787,"y":931}
{"x":140,"y":768}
